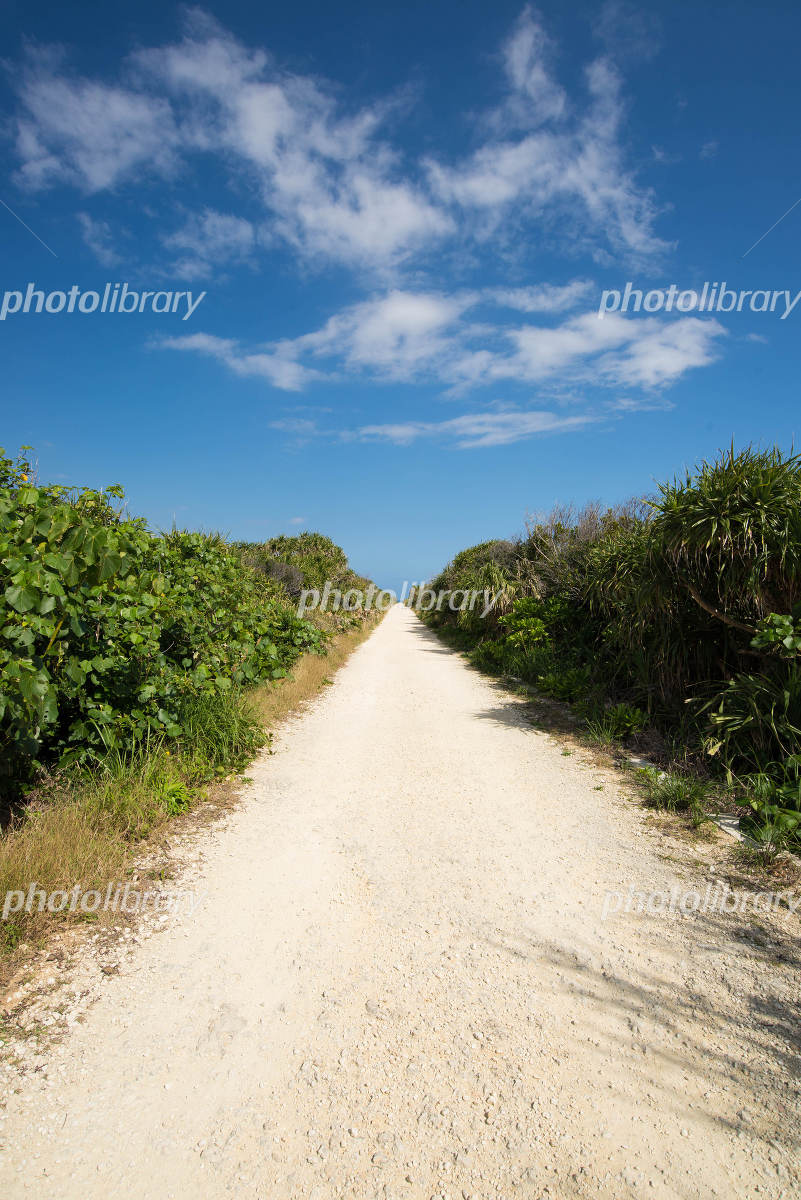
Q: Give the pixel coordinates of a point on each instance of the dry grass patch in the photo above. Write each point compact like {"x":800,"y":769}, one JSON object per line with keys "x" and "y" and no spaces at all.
{"x":84,"y":829}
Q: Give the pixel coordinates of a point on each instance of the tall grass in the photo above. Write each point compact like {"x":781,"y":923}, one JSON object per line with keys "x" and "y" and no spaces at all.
{"x":81,"y":827}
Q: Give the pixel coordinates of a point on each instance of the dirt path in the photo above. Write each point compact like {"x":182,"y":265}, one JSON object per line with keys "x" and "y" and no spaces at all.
{"x":399,"y":985}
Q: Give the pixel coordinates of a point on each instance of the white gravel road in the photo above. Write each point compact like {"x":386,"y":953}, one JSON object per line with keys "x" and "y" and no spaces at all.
{"x":399,"y":984}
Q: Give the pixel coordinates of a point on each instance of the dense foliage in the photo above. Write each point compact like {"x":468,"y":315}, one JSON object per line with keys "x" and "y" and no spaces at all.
{"x":308,"y":560}
{"x":683,"y":611}
{"x":110,"y":635}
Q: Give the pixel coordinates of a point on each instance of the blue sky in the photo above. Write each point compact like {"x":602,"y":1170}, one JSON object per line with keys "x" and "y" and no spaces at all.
{"x":403,"y":217}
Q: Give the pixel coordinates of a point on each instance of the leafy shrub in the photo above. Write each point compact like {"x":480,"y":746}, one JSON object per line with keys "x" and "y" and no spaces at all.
{"x":755,"y":720}
{"x":774,"y":797}
{"x":625,"y":720}
{"x":308,"y":560}
{"x":524,"y":625}
{"x":491,"y":655}
{"x":107,"y":632}
{"x":686,"y":606}
{"x":176,"y":797}
{"x":780,"y":632}
{"x":486,"y":567}
{"x":615,"y":723}
{"x":570,"y":683}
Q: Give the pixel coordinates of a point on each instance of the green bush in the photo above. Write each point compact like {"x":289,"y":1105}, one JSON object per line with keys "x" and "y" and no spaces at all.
{"x":755,"y":720}
{"x":108,"y":634}
{"x":219,"y":731}
{"x":492,"y":655}
{"x":626,"y":719}
{"x":308,"y":560}
{"x":524,"y":624}
{"x":685,"y":607}
{"x":570,"y":683}
{"x":616,"y":723}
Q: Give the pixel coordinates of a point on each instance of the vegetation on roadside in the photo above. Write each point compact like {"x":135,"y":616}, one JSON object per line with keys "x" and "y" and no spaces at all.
{"x":307,"y":561}
{"x":135,"y":671}
{"x":677,"y":617}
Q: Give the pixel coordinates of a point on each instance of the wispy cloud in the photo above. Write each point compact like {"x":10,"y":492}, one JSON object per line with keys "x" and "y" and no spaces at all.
{"x":476,"y":430}
{"x":335,"y":182}
{"x":305,"y":427}
{"x":629,"y":33}
{"x":331,"y":181}
{"x":566,"y":157}
{"x":398,"y":336}
{"x":544,"y":297}
{"x":414,"y":337}
{"x":535,"y":96}
{"x":86,"y":132}
{"x":275,"y":369}
{"x":209,"y":239}
{"x":647,"y":353}
{"x":640,"y":356}
{"x":98,"y":236}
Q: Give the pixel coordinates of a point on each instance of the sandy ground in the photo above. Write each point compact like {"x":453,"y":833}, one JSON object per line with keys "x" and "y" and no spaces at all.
{"x":399,"y":984}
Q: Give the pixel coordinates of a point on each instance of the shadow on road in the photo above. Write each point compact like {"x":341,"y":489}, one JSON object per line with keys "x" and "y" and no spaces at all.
{"x":652,"y":1025}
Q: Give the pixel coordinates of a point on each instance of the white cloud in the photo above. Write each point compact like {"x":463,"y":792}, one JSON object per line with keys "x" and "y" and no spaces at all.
{"x":332,"y":187}
{"x":475,"y":430}
{"x":498,"y":427}
{"x":276,"y":369}
{"x":535,"y":94}
{"x":302,"y":427}
{"x":398,"y":336}
{"x":664,"y":157}
{"x":631,"y":404}
{"x":544,"y":297}
{"x":542,"y":351}
{"x":331,"y":180}
{"x":332,"y":183}
{"x":649,"y":352}
{"x":209,"y":239}
{"x":93,"y":135}
{"x":99,"y":237}
{"x":202,"y":343}
{"x":661,"y":352}
{"x":571,"y":171}
{"x":414,"y":337}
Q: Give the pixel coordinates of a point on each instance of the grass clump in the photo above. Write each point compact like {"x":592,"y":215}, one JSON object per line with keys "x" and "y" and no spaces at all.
{"x":672,"y":792}
{"x":81,"y":827}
